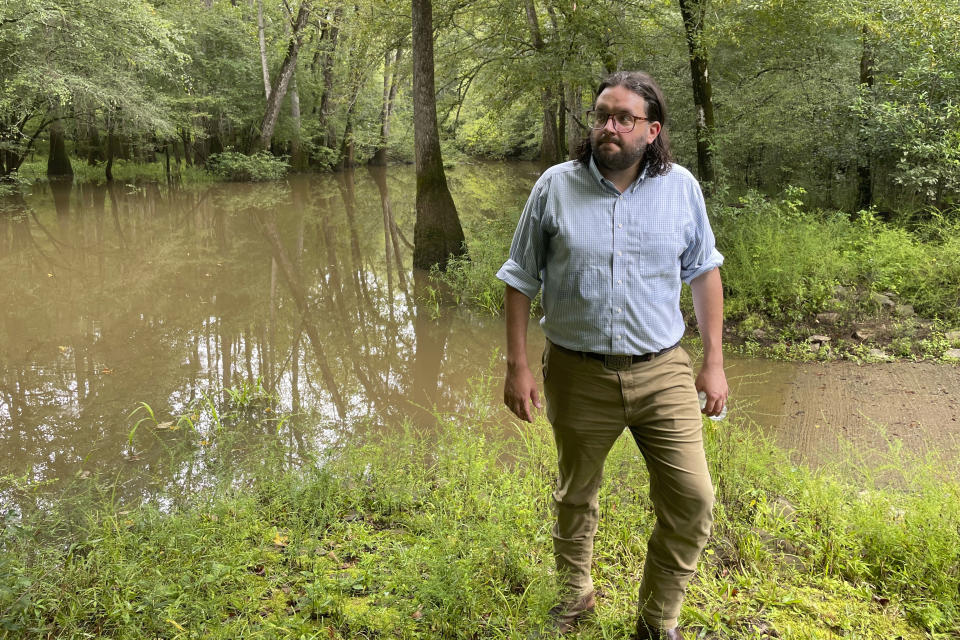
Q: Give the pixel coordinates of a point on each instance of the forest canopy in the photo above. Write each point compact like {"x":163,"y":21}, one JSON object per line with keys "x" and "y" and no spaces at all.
{"x":854,"y":101}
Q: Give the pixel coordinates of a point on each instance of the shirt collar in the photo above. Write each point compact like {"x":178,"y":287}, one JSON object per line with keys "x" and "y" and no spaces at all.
{"x":595,"y":172}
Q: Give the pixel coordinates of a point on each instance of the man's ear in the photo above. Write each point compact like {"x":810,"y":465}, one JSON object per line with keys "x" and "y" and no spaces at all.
{"x":653,"y":131}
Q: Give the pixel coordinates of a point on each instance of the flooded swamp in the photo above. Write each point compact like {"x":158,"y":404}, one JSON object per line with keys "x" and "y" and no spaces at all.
{"x":134,"y":313}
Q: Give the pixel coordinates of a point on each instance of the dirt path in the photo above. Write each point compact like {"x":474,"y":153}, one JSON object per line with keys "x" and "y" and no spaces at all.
{"x":807,"y":406}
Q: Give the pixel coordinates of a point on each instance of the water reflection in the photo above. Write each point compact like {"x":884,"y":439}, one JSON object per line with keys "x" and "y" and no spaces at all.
{"x":297,"y":296}
{"x":126,"y":294}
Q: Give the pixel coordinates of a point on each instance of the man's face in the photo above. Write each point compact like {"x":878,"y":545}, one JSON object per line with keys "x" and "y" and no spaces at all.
{"x":612,"y":149}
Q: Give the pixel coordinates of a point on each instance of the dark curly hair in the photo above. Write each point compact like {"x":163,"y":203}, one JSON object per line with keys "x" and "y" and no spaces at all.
{"x":657,"y":157}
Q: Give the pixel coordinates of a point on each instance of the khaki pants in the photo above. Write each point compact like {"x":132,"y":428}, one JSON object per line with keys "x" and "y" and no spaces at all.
{"x":589,"y":406}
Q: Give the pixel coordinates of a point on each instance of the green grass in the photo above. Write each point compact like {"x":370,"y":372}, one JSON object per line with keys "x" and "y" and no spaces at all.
{"x":443,"y":531}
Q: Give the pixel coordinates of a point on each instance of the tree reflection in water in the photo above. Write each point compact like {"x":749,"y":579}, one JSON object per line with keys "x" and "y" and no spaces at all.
{"x":123,"y":294}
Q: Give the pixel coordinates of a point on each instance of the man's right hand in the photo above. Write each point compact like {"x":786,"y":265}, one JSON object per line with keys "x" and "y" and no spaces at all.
{"x":520,"y":391}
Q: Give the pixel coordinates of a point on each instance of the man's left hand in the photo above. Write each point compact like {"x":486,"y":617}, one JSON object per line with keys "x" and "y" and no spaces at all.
{"x":713,"y":381}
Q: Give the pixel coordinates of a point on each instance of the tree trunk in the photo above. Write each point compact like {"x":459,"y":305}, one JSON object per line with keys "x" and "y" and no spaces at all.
{"x":390,"y":86}
{"x":437,"y":233}
{"x":693,"y":12}
{"x":58,"y":162}
{"x":296,"y":158}
{"x":95,"y":150}
{"x":332,"y":31}
{"x":279,"y":89}
{"x":550,"y":144}
{"x":574,"y":100}
{"x":263,"y":50}
{"x":113,"y":146}
{"x":347,"y":149}
{"x":185,"y":137}
{"x":864,"y":164}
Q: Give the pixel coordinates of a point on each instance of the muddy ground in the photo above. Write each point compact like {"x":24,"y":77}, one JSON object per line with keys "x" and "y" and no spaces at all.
{"x":812,"y":409}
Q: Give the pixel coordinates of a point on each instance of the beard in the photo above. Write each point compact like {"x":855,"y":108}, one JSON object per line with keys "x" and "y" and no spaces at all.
{"x":624,"y":157}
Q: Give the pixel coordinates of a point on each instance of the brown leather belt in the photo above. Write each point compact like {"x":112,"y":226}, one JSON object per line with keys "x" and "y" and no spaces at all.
{"x":618,"y":363}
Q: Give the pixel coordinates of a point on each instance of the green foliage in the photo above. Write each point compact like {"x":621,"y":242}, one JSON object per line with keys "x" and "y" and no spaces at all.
{"x":445,"y":533}
{"x":240,"y":167}
{"x":785,"y":263}
{"x":778,"y":261}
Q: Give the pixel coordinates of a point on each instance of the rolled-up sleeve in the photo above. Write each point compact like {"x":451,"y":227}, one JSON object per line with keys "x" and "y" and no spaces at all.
{"x":701,"y":255}
{"x":528,"y":249}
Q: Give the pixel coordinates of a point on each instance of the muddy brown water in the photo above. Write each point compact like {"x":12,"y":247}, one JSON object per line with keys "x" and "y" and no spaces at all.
{"x":119,"y":295}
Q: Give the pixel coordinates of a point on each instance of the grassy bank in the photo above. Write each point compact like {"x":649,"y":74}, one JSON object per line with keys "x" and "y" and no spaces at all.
{"x":792,"y":275}
{"x":446,"y":534}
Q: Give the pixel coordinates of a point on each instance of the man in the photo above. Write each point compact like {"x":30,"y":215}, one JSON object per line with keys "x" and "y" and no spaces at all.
{"x":610,"y":237}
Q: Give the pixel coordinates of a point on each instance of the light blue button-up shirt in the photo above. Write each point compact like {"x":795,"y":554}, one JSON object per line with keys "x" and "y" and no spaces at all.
{"x":611,"y":263}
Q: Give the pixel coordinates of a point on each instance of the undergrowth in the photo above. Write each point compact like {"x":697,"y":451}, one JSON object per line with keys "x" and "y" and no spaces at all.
{"x":444,"y":531}
{"x":879,"y":290}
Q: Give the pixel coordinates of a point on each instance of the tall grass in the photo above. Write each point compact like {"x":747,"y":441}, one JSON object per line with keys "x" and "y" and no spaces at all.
{"x":786,"y":262}
{"x":445,"y":532}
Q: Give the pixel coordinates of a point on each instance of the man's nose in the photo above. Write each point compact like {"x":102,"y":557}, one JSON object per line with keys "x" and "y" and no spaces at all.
{"x":609,"y":125}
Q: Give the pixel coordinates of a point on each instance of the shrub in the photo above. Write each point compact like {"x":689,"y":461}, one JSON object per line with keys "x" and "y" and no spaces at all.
{"x":239,"y":167}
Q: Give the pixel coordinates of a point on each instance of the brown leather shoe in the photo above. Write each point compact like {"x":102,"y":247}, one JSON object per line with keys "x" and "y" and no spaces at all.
{"x":645,"y":632}
{"x":564,"y":617}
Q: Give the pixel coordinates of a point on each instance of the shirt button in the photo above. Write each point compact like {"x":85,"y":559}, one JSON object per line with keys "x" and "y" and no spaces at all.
{"x":619,"y":281}
{"x":619,"y":253}
{"x":619,"y":309}
{"x":620,"y":226}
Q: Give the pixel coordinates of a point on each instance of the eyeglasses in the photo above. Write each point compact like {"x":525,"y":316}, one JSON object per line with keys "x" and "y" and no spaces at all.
{"x":623,"y":122}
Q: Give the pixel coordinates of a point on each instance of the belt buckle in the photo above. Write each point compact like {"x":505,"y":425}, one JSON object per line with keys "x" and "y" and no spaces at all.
{"x":617,"y":363}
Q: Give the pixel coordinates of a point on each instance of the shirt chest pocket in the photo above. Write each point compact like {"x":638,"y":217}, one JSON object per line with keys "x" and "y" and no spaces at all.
{"x":658,"y":254}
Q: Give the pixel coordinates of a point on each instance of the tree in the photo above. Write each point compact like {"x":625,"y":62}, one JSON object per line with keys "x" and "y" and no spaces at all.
{"x":391,"y":73}
{"x":693,"y":13}
{"x":279,"y":90}
{"x":65,"y":59}
{"x":550,"y":140}
{"x":437,"y":233}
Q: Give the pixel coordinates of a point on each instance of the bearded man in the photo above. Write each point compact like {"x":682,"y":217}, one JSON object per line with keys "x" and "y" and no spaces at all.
{"x":610,"y":237}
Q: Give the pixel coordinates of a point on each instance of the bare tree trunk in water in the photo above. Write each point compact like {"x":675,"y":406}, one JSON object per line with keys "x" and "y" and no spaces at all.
{"x":693,"y":12}
{"x":347,"y":148}
{"x":550,"y":145}
{"x":166,"y":149}
{"x":279,"y":89}
{"x":58,"y":162}
{"x":391,"y":61}
{"x":185,"y":137}
{"x":437,"y":233}
{"x":864,"y":164}
{"x":263,"y":50}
